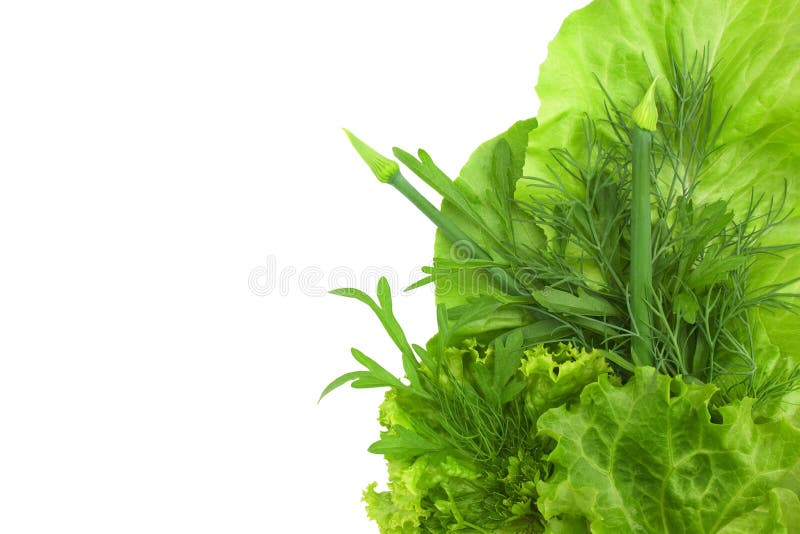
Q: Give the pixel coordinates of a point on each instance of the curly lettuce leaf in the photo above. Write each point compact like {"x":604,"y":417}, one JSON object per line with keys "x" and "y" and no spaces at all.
{"x":754,"y":45}
{"x":452,"y":463}
{"x":649,"y":457}
{"x":432,"y":489}
{"x":442,"y":490}
{"x":557,"y":376}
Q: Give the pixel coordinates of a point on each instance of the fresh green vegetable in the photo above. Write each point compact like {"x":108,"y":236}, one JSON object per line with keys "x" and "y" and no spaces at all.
{"x":690,"y":302}
{"x":388,"y":172}
{"x":651,"y":457}
{"x":737,"y":144}
{"x":617,"y":292}
{"x":645,"y":119}
{"x":461,"y":441}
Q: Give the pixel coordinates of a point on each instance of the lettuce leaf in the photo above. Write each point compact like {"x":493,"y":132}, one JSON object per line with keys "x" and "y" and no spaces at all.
{"x":779,"y":514}
{"x":558,"y":375}
{"x":445,"y":490}
{"x":753,"y":45}
{"x":650,"y":457}
{"x":449,"y":468}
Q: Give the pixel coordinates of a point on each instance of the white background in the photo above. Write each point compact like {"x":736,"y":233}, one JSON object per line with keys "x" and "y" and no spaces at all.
{"x":153,"y":156}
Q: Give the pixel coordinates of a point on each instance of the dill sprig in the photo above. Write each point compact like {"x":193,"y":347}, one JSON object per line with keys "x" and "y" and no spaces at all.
{"x":701,"y":296}
{"x":681,"y":298}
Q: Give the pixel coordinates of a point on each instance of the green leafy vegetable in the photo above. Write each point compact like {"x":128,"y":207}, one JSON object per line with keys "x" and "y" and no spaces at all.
{"x":617,"y":285}
{"x":645,"y":121}
{"x":651,"y":457}
{"x":753,"y":49}
{"x":470,"y":459}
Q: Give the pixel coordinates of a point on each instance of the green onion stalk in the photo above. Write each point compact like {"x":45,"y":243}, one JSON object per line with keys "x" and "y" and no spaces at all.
{"x":645,"y":119}
{"x":388,"y":171}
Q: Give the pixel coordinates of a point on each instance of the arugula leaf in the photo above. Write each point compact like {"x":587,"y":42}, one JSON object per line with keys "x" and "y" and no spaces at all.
{"x":342,"y":380}
{"x":377,"y":376}
{"x":402,"y":443}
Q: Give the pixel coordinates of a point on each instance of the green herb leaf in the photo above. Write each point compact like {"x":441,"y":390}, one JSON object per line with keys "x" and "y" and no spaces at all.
{"x":558,"y":301}
{"x":344,"y":379}
{"x":402,"y":443}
